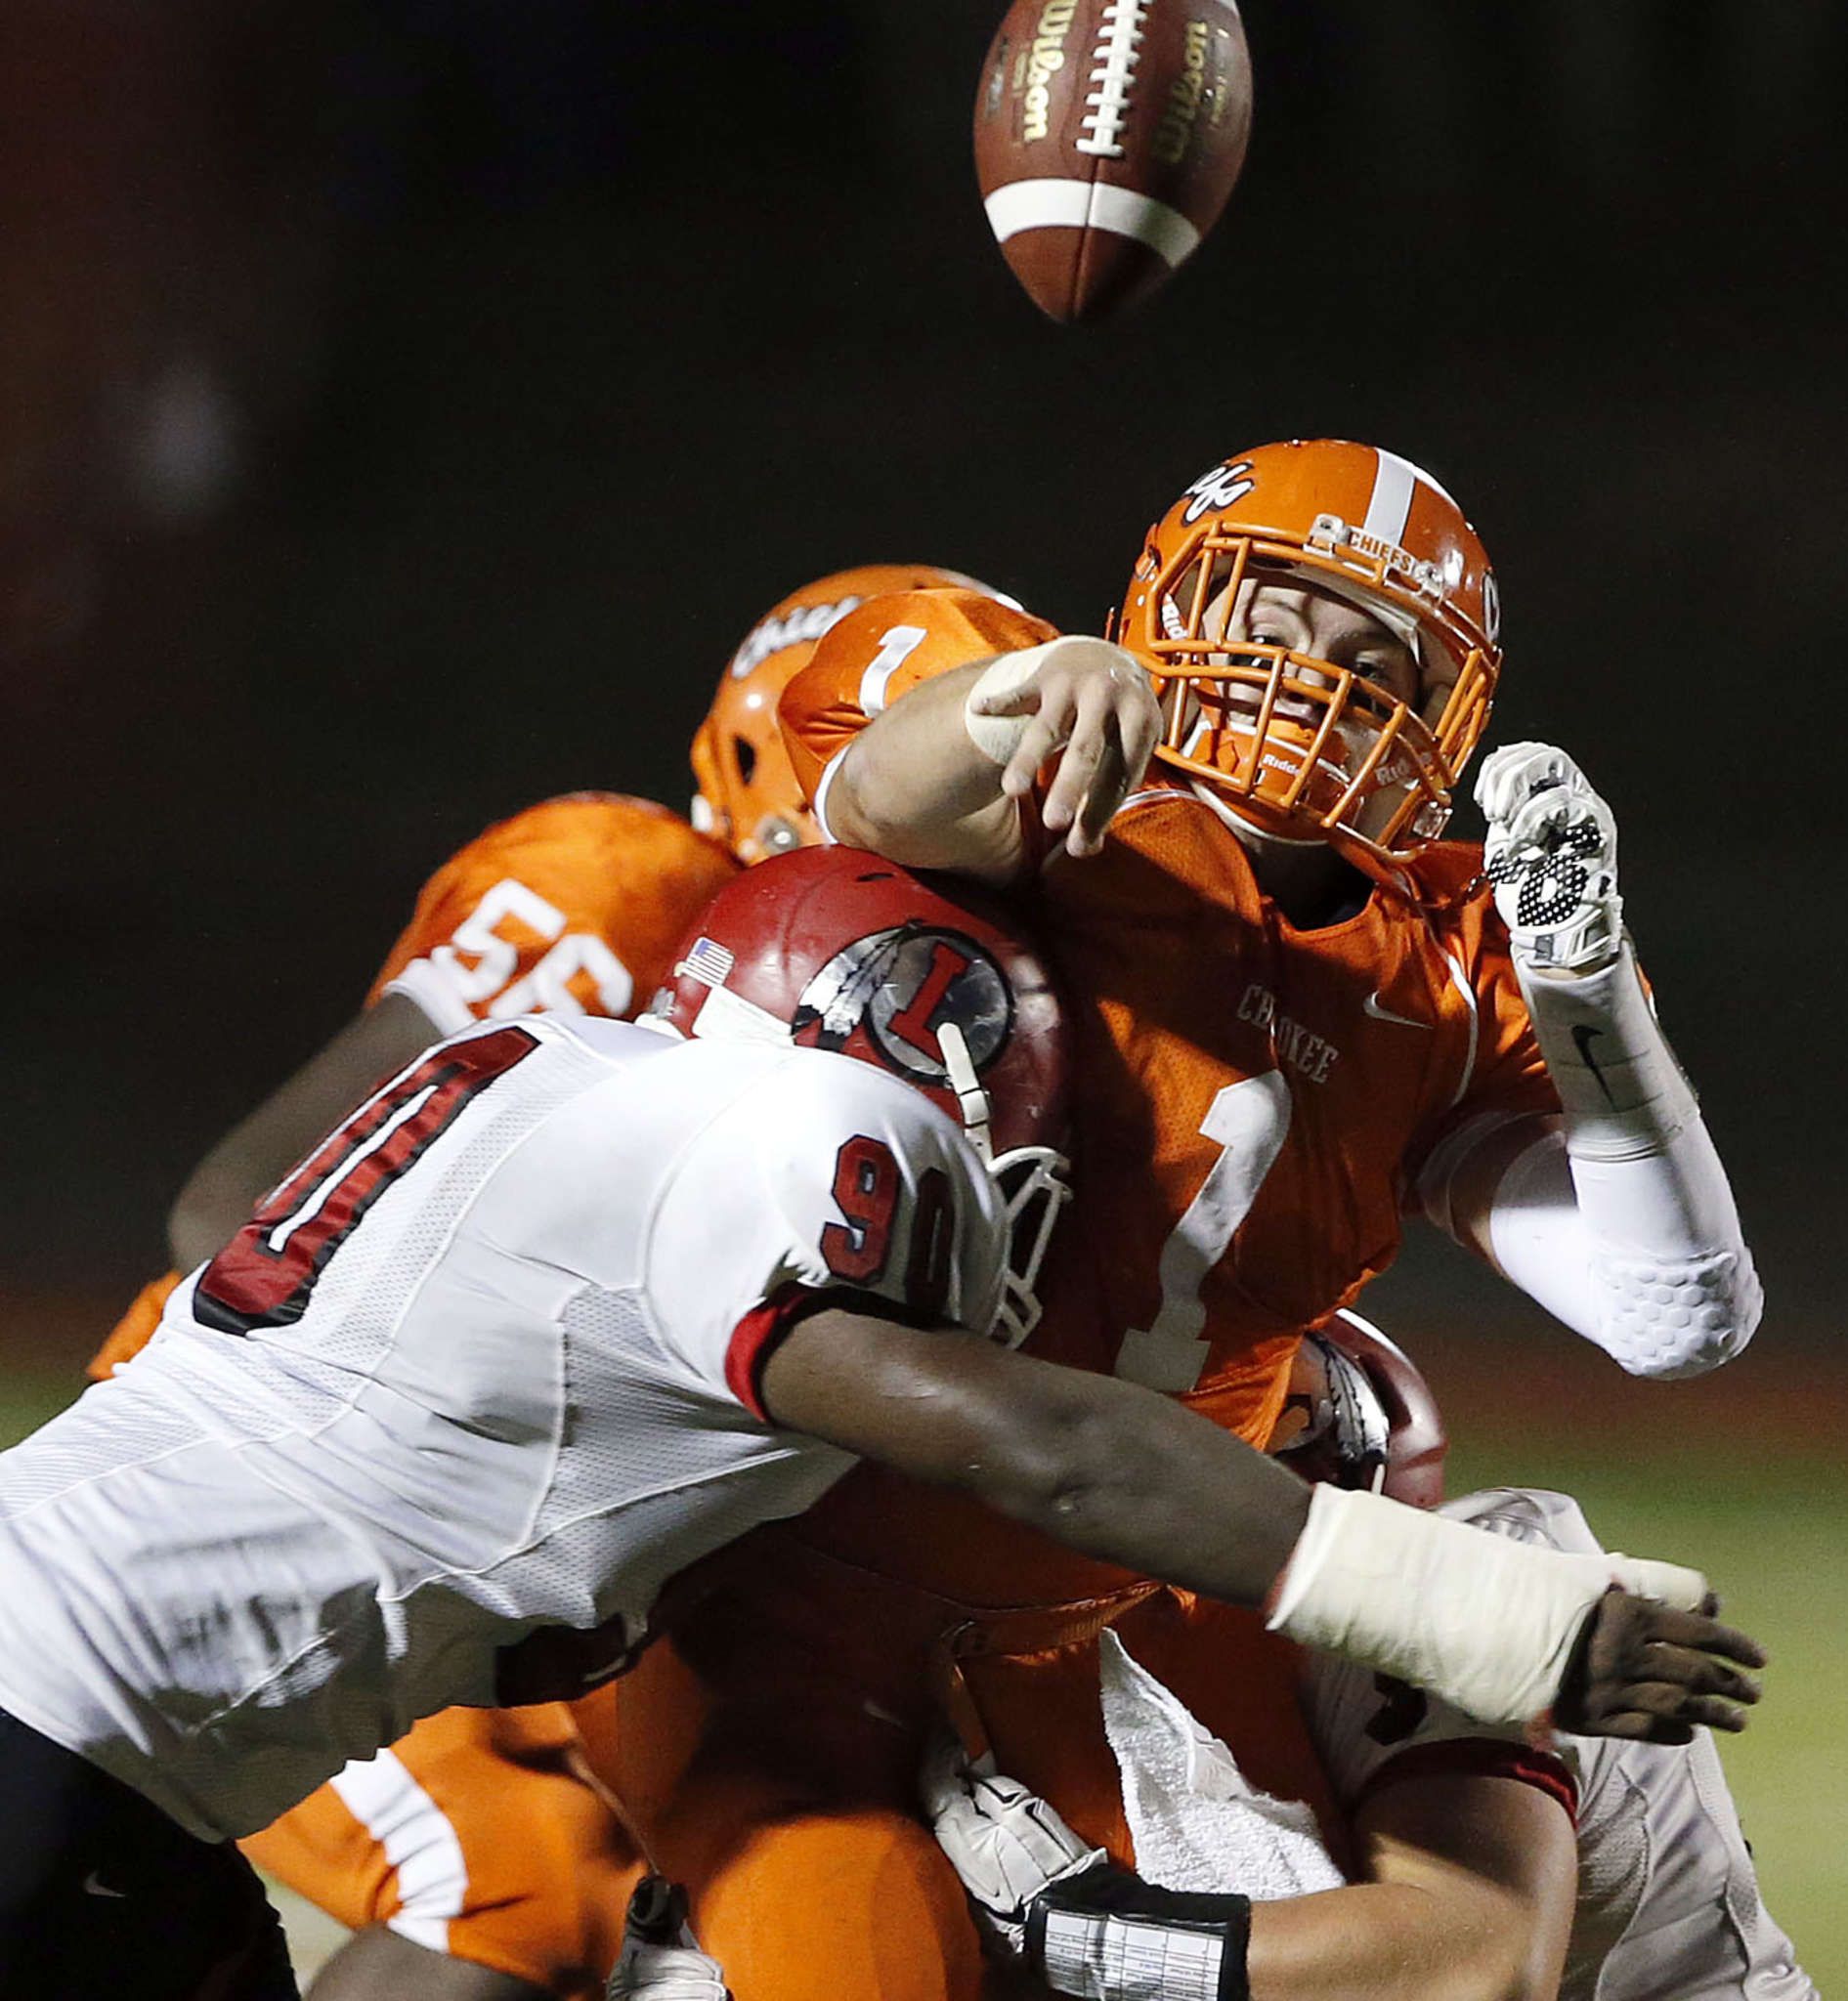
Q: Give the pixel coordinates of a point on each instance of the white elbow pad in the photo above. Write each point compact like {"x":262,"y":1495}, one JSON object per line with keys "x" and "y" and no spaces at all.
{"x":1670,"y":1317}
{"x":1486,"y":1624}
{"x":1640,"y":1247}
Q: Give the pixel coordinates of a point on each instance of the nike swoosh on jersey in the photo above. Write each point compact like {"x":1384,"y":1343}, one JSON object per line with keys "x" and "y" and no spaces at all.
{"x":94,"y":1886}
{"x":1372,"y":1006}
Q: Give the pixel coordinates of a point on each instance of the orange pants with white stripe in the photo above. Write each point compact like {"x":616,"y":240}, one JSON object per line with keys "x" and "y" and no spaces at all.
{"x":481,"y":1834}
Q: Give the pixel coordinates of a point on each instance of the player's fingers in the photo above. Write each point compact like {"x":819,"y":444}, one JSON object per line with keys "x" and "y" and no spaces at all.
{"x":1110,"y":776}
{"x":1714,"y":1714}
{"x":1700,"y":1674}
{"x":1671,"y":1703}
{"x":1107,"y":791}
{"x":1078,"y":767}
{"x":1043,"y":735}
{"x":1638,"y":1727}
{"x":1139,"y":729}
{"x":943,"y":1774}
{"x":1022,"y":699}
{"x":1701,"y":1631}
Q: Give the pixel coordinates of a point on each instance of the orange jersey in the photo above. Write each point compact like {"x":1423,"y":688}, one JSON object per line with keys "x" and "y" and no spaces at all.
{"x":574,"y":906}
{"x":876,"y":652}
{"x":1253,"y":1103}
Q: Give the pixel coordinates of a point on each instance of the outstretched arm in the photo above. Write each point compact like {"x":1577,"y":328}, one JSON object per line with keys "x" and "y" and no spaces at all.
{"x":1130,"y":1478}
{"x":936,"y":781}
{"x":1616,"y":1217}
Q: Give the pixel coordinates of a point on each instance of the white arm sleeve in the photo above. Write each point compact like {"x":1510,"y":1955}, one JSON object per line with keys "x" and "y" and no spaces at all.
{"x":1624,"y":1228}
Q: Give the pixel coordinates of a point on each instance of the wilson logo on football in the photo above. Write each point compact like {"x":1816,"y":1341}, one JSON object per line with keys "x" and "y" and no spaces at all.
{"x":903,"y":987}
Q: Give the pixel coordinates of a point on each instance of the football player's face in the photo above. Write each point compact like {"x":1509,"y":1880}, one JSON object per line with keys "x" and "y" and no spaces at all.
{"x":1317,"y":624}
{"x":1311,"y":620}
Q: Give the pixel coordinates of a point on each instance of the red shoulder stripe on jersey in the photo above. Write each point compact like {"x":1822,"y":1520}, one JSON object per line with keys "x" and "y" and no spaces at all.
{"x":758,"y":1337}
{"x":1479,"y":1757}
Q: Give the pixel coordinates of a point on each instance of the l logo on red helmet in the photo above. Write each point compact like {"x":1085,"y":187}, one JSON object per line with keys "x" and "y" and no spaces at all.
{"x":901,"y":985}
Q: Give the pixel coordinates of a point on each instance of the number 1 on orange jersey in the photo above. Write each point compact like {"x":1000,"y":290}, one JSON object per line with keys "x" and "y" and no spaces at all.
{"x":1248,"y":1121}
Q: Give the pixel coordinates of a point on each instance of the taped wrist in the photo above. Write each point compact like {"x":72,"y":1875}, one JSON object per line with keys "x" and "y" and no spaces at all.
{"x":1487,"y":1625}
{"x":1110,"y":1936}
{"x":998,"y":737}
{"x":1623,"y":1093}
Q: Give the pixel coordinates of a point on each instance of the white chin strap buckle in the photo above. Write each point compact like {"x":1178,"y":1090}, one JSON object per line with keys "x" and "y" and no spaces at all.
{"x":971,"y":1097}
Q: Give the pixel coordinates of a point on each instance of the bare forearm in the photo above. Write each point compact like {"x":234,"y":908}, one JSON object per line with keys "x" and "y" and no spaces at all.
{"x":936,"y":781}
{"x":1385,"y":1941}
{"x":914,"y":785}
{"x":1467,"y":1893}
{"x":1134,"y":1469}
{"x":1106,"y":1466}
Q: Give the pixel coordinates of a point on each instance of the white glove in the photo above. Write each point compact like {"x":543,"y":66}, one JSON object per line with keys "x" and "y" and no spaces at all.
{"x":1004,"y":1842}
{"x":659,"y":1960}
{"x":666,"y":1973}
{"x":1552,"y":854}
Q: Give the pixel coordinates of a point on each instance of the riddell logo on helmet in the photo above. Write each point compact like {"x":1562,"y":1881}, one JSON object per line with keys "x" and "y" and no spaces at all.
{"x":902,"y":986}
{"x":806,"y":622}
{"x":1221,"y":488}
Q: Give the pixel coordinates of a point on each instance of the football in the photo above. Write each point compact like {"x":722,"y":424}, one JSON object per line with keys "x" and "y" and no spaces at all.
{"x":1108,"y":135}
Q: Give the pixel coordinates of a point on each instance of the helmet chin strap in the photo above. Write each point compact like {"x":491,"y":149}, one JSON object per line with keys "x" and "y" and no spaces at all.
{"x":969,"y":1094}
{"x":1249,"y":829}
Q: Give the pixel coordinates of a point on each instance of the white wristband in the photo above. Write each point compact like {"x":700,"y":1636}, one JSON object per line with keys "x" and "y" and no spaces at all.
{"x":1624,"y":1095}
{"x":1487,"y":1625}
{"x":998,"y":737}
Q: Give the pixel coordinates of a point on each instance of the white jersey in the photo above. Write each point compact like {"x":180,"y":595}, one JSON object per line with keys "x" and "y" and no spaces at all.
{"x":483,"y":1365}
{"x":1669,"y":1906}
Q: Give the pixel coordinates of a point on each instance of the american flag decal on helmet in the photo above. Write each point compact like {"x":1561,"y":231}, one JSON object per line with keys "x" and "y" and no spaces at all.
{"x":708,"y":962}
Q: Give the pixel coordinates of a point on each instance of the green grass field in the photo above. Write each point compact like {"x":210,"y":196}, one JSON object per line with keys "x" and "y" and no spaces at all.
{"x":1770,"y":1533}
{"x":1747,"y":1483}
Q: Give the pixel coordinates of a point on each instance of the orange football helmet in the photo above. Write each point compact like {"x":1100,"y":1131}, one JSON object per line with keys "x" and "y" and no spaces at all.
{"x":747,"y":793}
{"x":1295,"y":746}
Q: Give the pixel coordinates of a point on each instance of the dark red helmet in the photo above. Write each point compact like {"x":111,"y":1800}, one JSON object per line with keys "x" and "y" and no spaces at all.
{"x":1360,"y":1414}
{"x":927,"y":977}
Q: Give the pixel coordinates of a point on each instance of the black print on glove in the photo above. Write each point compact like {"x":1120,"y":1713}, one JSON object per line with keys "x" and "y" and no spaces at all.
{"x":1551,"y":873}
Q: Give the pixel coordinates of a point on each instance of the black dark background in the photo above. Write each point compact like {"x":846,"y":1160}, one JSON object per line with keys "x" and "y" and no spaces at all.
{"x":407,"y":406}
